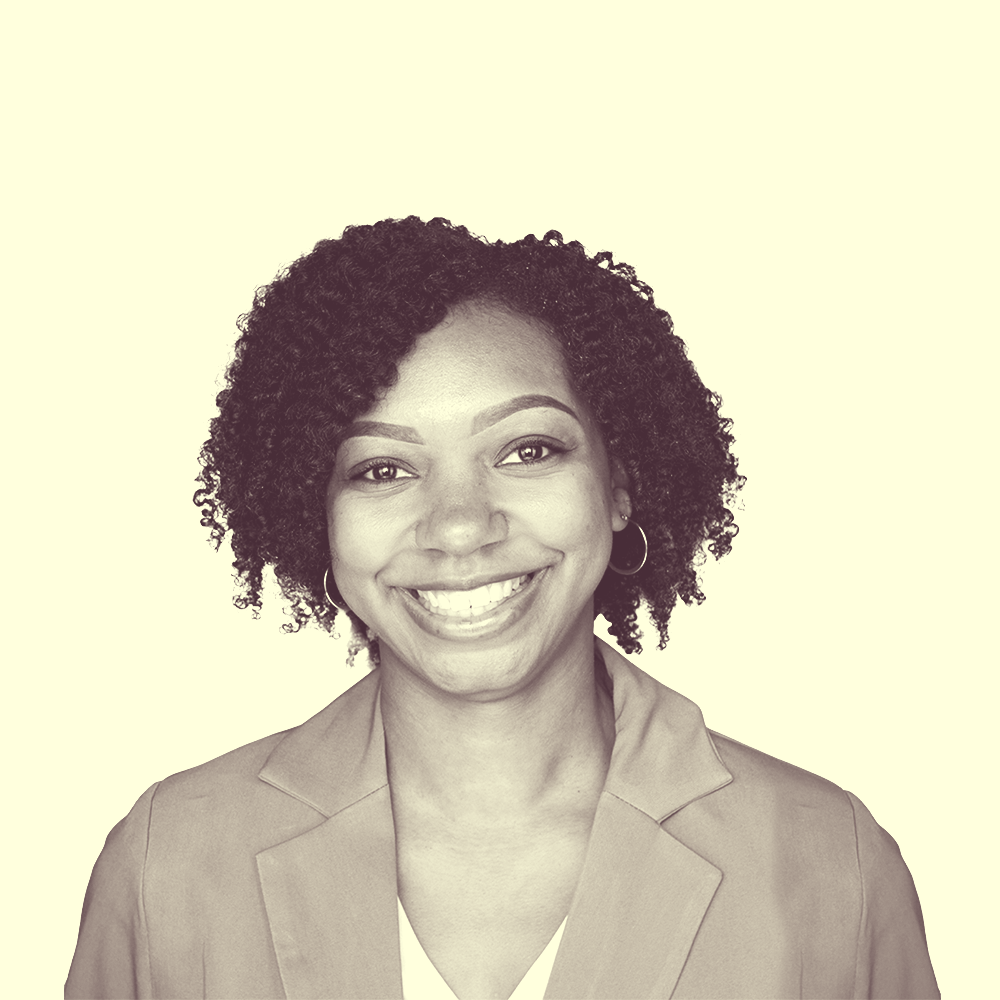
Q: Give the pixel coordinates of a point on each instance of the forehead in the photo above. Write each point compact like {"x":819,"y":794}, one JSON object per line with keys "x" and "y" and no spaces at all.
{"x":478,"y":355}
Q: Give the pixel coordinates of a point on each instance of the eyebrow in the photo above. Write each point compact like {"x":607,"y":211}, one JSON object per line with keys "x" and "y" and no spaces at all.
{"x":494,"y":414}
{"x":485,"y":418}
{"x":373,"y":428}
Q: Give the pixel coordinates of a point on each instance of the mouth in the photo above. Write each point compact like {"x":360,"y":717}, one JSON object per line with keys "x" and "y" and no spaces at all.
{"x":470,"y":603}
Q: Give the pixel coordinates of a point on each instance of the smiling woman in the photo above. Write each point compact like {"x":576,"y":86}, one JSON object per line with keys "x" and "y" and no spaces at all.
{"x":470,"y":518}
{"x":453,"y":443}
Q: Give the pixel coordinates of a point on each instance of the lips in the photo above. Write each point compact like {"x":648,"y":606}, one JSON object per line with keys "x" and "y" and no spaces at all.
{"x":470,"y":603}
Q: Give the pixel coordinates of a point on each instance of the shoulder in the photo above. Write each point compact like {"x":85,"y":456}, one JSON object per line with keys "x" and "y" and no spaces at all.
{"x":759,"y":778}
{"x":773,"y":808}
{"x":229,"y":776}
{"x":219,"y":808}
{"x":763,"y":784}
{"x":712,"y":791}
{"x":666,"y":761}
{"x":257,"y":794}
{"x":215,"y":786}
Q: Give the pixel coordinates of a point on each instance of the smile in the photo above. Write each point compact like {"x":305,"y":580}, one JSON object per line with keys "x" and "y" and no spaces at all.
{"x":470,"y":603}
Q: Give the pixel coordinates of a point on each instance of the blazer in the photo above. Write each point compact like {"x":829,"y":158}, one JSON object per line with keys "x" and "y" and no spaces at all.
{"x":713,"y":870}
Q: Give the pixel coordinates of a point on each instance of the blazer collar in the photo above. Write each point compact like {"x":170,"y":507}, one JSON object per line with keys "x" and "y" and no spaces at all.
{"x":663,"y":756}
{"x":330,"y":893}
{"x":662,"y":760}
{"x":338,"y":756}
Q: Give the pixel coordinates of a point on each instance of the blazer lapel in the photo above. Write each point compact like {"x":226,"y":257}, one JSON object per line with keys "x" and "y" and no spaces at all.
{"x":637,"y":909}
{"x":642,"y":894}
{"x":330,"y":893}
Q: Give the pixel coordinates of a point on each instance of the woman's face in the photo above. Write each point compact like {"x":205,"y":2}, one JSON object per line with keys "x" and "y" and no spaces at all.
{"x":470,"y":512}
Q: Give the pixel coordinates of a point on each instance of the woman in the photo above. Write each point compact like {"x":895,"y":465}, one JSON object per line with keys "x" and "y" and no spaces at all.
{"x":454,"y":443}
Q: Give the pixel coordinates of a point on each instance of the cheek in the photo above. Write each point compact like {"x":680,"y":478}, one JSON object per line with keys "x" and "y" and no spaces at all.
{"x":579,"y":516}
{"x":353,"y":546}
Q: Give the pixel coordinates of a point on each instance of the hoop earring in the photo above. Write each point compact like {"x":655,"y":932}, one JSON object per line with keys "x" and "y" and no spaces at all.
{"x":628,"y":555}
{"x":340,"y":604}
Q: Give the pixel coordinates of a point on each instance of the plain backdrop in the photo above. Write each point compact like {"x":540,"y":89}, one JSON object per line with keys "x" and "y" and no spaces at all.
{"x":810,"y":188}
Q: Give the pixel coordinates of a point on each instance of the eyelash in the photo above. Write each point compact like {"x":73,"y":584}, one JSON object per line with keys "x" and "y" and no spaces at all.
{"x":552,"y":448}
{"x":379,"y":463}
{"x":388,"y":463}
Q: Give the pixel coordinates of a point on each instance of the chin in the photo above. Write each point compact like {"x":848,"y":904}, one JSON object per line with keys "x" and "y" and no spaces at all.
{"x":474,"y":674}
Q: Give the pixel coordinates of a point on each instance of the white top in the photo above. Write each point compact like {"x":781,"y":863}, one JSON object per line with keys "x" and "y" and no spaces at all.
{"x":422,"y":981}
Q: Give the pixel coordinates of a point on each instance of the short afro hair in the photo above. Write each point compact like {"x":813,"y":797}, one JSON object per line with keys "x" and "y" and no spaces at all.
{"x":322,"y":342}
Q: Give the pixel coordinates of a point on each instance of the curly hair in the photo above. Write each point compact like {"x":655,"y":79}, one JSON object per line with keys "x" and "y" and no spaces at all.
{"x":322,"y":342}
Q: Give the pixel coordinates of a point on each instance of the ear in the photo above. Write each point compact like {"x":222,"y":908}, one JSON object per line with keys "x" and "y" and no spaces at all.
{"x":621,"y":502}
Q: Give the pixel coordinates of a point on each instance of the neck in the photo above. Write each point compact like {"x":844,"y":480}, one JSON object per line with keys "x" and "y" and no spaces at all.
{"x":547,"y":744}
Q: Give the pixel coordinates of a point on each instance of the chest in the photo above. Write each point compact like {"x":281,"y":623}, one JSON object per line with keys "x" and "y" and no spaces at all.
{"x":484,"y":907}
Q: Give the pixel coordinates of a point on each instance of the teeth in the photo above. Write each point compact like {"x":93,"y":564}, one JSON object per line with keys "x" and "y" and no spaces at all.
{"x":469,"y":603}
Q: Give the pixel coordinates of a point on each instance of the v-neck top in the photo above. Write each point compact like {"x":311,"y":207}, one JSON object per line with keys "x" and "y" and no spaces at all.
{"x":422,"y":981}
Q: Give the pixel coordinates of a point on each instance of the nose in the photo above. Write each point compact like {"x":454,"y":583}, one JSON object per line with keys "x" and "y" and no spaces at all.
{"x":460,"y":517}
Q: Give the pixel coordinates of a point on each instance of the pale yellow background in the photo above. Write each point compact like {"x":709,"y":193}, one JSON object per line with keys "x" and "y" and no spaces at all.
{"x":809,"y":188}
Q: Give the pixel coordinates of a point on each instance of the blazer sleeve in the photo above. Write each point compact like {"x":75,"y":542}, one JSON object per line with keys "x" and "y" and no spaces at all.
{"x":112,"y":953}
{"x":892,"y":958}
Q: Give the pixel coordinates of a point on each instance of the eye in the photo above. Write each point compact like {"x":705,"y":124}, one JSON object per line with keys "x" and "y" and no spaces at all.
{"x":381,"y":470}
{"x":531,"y":453}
